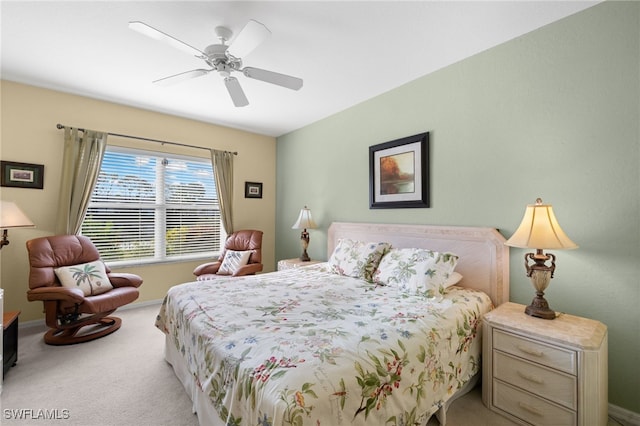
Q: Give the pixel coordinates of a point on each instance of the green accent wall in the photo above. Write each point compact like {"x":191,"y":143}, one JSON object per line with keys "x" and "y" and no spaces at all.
{"x":552,"y":114}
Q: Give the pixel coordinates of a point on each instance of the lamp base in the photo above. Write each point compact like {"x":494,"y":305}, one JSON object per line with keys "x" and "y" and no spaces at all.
{"x":5,"y":240}
{"x":304,"y":256}
{"x":304,"y":239}
{"x":540,"y":275}
{"x":539,"y":308}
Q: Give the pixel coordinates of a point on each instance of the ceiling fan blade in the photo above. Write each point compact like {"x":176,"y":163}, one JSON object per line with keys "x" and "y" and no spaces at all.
{"x":293,"y":83}
{"x":251,"y":36}
{"x":236,"y":92}
{"x":149,"y":31}
{"x":177,"y":78}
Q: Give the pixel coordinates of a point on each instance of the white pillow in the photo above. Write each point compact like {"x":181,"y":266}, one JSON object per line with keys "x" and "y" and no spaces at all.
{"x":233,"y":260}
{"x":90,"y":277}
{"x":357,"y":259}
{"x":416,"y":271}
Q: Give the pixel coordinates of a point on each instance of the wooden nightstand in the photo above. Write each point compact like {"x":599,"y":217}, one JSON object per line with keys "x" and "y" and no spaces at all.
{"x":294,"y":263}
{"x":544,"y":372}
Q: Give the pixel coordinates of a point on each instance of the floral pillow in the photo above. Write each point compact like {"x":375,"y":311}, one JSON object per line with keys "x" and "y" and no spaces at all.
{"x":416,"y":271}
{"x":90,"y":277}
{"x":233,"y":260}
{"x":357,"y":259}
{"x":453,"y":279}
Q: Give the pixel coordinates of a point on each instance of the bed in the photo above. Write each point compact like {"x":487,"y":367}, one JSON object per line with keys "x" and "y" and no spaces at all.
{"x":312,"y":346}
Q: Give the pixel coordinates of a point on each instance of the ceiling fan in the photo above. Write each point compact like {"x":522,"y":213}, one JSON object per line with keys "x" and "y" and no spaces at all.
{"x":224,"y":59}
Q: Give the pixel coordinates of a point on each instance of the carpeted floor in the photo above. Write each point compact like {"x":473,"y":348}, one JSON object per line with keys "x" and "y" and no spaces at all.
{"x":122,"y":379}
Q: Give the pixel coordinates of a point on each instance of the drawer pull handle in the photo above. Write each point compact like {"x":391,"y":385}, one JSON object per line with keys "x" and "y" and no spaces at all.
{"x":530,"y":409}
{"x":531,"y":378}
{"x":530,"y":351}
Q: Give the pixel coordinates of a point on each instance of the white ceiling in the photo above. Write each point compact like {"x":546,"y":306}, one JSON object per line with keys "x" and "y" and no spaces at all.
{"x":346,"y":52}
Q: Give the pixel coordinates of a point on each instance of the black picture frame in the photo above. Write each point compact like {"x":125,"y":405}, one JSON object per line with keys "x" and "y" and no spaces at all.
{"x":253,"y":190}
{"x":399,"y":173}
{"x":21,"y":175}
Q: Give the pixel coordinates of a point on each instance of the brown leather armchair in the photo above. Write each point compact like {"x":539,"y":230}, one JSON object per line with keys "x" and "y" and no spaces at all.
{"x":243,"y":240}
{"x":68,"y":310}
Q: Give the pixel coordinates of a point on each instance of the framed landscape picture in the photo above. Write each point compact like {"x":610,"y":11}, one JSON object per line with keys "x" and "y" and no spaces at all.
{"x":21,"y":175}
{"x":399,"y":173}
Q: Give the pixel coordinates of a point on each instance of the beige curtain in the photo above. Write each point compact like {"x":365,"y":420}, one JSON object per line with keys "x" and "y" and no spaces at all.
{"x":223,"y":174}
{"x":80,"y":168}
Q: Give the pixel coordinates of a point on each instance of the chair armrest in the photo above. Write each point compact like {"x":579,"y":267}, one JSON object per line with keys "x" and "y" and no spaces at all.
{"x":207,"y":268}
{"x":73,"y":295}
{"x":124,"y":279}
{"x":249,"y":269}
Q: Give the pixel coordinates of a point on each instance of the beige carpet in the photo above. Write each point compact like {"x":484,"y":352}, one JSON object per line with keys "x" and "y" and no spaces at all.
{"x":122,"y":379}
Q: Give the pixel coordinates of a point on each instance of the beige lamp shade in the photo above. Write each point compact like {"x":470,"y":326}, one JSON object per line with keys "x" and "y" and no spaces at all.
{"x":539,"y":229}
{"x":12,"y":217}
{"x":305,"y":221}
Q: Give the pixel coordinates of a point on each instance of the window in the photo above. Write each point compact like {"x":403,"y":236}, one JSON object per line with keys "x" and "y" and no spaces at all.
{"x":151,"y":207}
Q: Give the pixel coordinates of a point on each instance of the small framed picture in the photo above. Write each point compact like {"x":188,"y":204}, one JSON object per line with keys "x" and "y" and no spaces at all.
{"x":253,"y":190}
{"x":21,"y":175}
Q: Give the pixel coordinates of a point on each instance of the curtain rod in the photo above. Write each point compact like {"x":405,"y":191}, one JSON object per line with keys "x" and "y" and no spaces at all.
{"x":60,"y":126}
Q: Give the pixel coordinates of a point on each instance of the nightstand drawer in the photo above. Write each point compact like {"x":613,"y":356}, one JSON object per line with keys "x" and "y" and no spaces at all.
{"x":551,"y":384}
{"x":554,"y":357}
{"x":530,"y":408}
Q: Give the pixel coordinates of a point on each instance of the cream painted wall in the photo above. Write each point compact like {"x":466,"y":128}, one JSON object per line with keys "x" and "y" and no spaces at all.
{"x":553,"y":114}
{"x":29,"y":117}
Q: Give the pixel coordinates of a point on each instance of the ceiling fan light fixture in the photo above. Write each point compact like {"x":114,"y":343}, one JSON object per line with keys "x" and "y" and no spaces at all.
{"x":216,"y":51}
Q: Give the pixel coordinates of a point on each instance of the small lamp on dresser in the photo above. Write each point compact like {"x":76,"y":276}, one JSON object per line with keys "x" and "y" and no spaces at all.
{"x":540,"y":230}
{"x":304,"y":222}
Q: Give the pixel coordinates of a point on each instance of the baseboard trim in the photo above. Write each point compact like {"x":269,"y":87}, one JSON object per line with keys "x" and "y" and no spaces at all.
{"x":140,"y":304}
{"x":624,"y":416}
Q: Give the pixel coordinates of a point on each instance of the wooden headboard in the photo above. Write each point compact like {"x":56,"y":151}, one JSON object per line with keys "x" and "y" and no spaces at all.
{"x":483,"y":257}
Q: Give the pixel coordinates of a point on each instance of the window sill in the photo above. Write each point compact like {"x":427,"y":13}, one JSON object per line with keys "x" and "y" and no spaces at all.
{"x":121,"y":264}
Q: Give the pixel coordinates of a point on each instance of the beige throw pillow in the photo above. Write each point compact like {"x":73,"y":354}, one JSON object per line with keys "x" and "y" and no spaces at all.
{"x":233,"y":260}
{"x":90,"y":277}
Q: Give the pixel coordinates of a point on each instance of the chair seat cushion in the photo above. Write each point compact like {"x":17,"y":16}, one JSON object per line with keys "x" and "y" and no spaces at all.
{"x":106,"y":302}
{"x":90,"y":277}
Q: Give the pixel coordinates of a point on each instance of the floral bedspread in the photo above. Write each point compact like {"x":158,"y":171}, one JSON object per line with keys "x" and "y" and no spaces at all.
{"x":307,"y":347}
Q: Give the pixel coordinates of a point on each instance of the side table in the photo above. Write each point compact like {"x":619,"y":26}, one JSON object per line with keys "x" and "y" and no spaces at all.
{"x":295,"y":263}
{"x":544,"y":372}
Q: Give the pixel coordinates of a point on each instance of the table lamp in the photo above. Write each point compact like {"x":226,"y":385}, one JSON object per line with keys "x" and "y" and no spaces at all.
{"x":11,"y":217}
{"x":304,"y":222}
{"x":540,"y":230}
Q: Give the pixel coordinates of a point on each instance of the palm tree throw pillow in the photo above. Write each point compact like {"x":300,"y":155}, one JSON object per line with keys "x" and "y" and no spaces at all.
{"x":90,"y":277}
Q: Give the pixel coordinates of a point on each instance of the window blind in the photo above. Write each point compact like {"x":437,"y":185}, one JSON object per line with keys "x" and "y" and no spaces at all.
{"x":148,"y":206}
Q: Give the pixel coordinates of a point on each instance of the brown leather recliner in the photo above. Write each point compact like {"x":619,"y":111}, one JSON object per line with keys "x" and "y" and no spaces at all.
{"x":243,"y":240}
{"x":68,"y":310}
